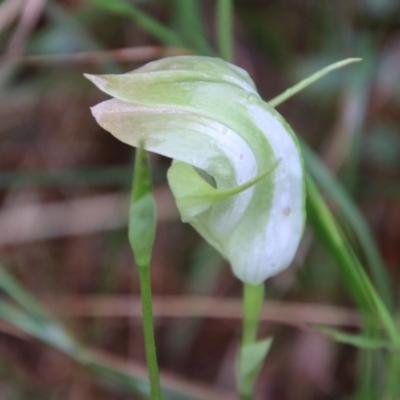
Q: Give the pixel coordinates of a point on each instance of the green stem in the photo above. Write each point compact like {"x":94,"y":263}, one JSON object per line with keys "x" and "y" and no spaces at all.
{"x":252,"y":304}
{"x":142,"y":228}
{"x":148,"y":330}
{"x":225,"y":29}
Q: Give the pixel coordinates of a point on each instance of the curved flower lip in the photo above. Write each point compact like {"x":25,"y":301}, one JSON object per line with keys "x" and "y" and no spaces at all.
{"x":206,"y":113}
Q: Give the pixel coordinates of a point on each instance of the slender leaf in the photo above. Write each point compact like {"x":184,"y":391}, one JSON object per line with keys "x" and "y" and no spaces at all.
{"x":252,"y":357}
{"x":361,"y":341}
{"x":353,"y":217}
{"x":351,"y":270}
{"x":275,"y":102}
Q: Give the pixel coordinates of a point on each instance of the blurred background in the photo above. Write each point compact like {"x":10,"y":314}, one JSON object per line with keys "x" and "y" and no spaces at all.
{"x":64,"y":189}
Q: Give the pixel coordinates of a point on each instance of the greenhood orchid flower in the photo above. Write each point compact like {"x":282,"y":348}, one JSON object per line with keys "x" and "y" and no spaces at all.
{"x":237,"y":173}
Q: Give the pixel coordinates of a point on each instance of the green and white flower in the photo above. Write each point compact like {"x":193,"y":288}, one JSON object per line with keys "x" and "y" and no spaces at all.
{"x":237,"y":173}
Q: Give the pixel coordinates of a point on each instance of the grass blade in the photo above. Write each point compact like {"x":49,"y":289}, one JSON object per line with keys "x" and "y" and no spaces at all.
{"x":360,"y":341}
{"x":351,"y":270}
{"x":149,"y":24}
{"x":225,"y":29}
{"x":188,"y":22}
{"x":354,"y":218}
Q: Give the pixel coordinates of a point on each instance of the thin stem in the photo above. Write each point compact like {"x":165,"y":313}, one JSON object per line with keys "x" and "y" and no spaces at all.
{"x":142,"y":228}
{"x":148,"y":330}
{"x":253,"y":297}
{"x":225,"y":29}
{"x":276,"y":101}
{"x":252,"y":304}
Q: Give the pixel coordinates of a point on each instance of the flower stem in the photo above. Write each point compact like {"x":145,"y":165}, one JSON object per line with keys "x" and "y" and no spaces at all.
{"x":148,"y":331}
{"x":252,"y":304}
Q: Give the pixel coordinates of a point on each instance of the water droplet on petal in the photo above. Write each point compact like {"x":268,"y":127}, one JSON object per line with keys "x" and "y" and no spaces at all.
{"x":274,"y":266}
{"x":241,"y":156}
{"x":252,"y":98}
{"x":224,"y":130}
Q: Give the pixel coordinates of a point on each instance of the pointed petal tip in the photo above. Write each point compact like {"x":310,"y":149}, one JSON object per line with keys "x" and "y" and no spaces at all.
{"x":98,"y":80}
{"x":97,"y":111}
{"x":90,"y":77}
